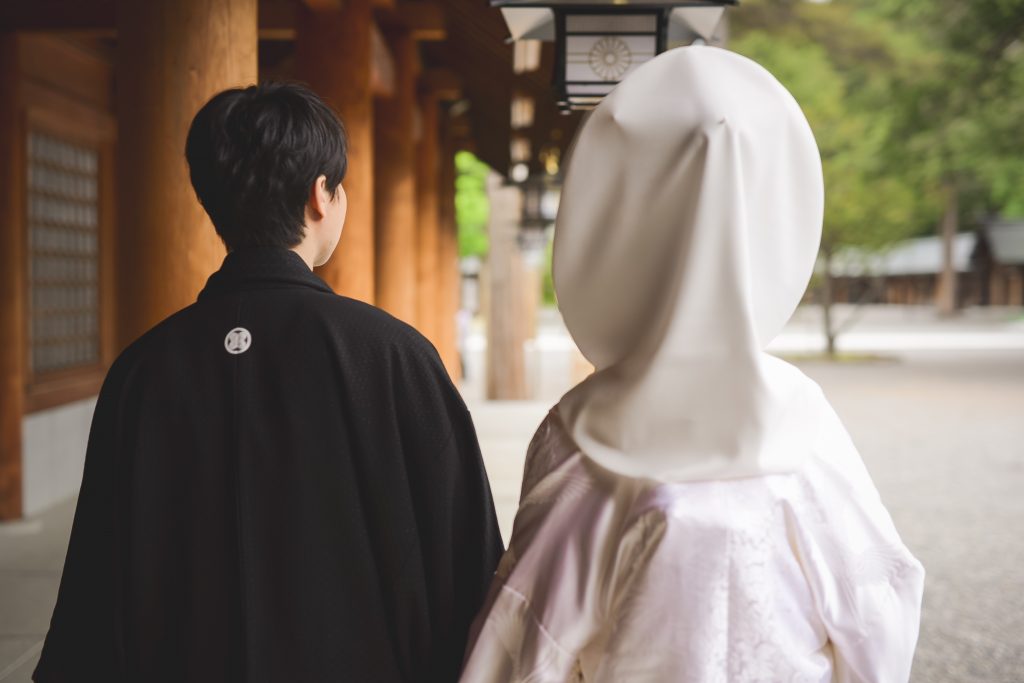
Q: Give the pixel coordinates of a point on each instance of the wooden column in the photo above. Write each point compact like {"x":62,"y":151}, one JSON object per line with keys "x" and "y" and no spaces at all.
{"x":333,"y":54}
{"x":427,"y":219}
{"x":1014,"y":286}
{"x":172,"y":56}
{"x":395,"y":184}
{"x":12,"y":278}
{"x":506,"y":315}
{"x":449,"y":282}
{"x":997,"y":287}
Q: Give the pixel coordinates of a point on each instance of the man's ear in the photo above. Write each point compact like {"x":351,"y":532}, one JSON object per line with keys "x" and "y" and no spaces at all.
{"x":318,"y":198}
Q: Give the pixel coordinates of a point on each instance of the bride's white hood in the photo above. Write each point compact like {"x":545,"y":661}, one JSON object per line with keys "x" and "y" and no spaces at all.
{"x":689,"y":223}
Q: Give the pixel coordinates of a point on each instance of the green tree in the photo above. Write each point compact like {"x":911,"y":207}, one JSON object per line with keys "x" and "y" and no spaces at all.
{"x":917,"y":107}
{"x":958,"y":127}
{"x":471,"y":205}
{"x":836,"y":64}
{"x":547,"y":283}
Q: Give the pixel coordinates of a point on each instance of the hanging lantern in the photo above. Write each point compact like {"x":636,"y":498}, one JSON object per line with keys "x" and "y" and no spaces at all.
{"x":540,"y":205}
{"x":600,"y":42}
{"x":597,"y":51}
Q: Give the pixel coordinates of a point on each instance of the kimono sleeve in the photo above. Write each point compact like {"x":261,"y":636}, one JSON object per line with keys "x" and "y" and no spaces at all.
{"x":570,"y":573}
{"x":82,"y":638}
{"x":460,"y":543}
{"x":866,"y":583}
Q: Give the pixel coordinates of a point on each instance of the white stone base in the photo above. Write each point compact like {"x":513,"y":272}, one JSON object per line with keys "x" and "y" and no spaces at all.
{"x":53,"y":452}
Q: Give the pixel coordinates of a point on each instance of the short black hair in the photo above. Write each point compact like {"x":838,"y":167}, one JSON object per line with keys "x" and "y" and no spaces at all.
{"x":253,"y":155}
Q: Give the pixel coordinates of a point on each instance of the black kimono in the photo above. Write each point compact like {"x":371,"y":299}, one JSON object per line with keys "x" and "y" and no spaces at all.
{"x":281,"y":485}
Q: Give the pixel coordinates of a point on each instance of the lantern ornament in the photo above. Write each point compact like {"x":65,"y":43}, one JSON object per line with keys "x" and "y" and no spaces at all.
{"x":540,"y":205}
{"x":597,"y":51}
{"x":610,"y":58}
{"x":600,"y":42}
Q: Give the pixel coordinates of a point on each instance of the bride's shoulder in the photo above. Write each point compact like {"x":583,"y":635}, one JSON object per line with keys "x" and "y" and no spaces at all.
{"x":550,"y":448}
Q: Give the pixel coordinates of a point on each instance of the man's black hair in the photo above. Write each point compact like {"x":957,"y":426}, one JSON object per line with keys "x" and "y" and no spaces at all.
{"x":253,"y":155}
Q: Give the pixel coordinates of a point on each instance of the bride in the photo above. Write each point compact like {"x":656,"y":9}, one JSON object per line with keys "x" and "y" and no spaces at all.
{"x":694,"y":510}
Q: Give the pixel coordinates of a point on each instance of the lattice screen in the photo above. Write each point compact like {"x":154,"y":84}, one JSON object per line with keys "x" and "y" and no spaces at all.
{"x":63,"y":237}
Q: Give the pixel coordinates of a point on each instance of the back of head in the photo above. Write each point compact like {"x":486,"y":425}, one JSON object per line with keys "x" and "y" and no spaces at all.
{"x":699,"y":169}
{"x":687,"y":232}
{"x":254,"y":154}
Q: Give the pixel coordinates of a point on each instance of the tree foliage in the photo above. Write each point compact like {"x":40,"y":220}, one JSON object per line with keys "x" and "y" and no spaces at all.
{"x":913,"y":97}
{"x":961,"y":118}
{"x":472,"y":207}
{"x":839,"y":66}
{"x":917,"y":106}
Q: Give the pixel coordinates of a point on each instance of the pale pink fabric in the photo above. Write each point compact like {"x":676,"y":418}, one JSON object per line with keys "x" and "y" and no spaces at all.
{"x":793,"y":577}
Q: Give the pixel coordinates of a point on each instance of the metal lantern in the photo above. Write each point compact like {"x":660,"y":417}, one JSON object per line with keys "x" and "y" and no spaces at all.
{"x":600,"y":42}
{"x":540,"y":205}
{"x":594,"y":51}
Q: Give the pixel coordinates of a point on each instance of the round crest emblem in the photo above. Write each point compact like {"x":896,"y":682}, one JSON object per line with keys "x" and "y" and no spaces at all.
{"x":610,"y":58}
{"x":238,"y":341}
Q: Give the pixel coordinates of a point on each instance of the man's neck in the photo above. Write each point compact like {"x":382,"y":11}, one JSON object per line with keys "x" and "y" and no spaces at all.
{"x":307,"y":252}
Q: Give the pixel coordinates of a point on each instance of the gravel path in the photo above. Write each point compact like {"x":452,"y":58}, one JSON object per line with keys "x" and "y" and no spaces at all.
{"x":943,"y":436}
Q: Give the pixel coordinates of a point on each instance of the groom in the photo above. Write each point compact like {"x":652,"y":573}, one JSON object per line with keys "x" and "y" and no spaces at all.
{"x":281,"y":484}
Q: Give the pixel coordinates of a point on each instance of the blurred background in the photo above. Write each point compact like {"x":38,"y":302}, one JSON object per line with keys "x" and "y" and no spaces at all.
{"x":459,"y":114}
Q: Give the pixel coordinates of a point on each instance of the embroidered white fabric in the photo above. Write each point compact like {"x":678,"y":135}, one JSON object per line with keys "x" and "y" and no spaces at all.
{"x":776,"y":578}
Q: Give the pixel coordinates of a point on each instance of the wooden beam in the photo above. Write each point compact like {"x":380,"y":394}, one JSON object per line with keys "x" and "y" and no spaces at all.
{"x":445,"y":84}
{"x":483,"y":61}
{"x":64,"y":66}
{"x":57,"y":15}
{"x":423,"y":20}
{"x":461,"y":129}
{"x":323,"y":4}
{"x":268,"y":31}
{"x":276,"y":20}
{"x":96,"y":18}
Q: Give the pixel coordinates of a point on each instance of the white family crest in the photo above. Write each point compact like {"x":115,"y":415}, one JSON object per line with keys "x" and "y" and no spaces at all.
{"x":238,"y":341}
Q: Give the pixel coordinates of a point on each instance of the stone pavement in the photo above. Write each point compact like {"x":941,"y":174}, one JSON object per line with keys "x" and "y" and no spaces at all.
{"x":941,"y":432}
{"x":943,"y":436}
{"x":31,"y":558}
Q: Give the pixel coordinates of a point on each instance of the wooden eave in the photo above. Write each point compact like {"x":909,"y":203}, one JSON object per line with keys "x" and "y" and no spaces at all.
{"x":467,"y":38}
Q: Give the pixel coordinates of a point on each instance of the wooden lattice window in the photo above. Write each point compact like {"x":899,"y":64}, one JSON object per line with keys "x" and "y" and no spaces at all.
{"x":62,"y":212}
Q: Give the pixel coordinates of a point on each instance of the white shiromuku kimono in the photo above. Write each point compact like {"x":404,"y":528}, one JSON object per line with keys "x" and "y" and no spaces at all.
{"x":794,"y":577}
{"x":694,"y":510}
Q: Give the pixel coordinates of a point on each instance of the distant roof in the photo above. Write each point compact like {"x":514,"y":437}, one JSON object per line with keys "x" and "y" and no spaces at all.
{"x":1006,"y":239}
{"x":919,"y":256}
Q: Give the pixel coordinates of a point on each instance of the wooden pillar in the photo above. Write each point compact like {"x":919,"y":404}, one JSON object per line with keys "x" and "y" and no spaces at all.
{"x":12,"y":293}
{"x":532,"y":284}
{"x":395,"y":185}
{"x":172,"y":56}
{"x":1015,"y":286}
{"x":996,"y":296}
{"x":333,"y":54}
{"x":449,"y":282}
{"x":427,"y":219}
{"x":506,"y":316}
